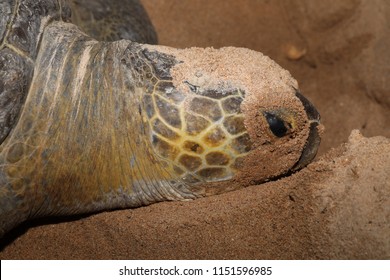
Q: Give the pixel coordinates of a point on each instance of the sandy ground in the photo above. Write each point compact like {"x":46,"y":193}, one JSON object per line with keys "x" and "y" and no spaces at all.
{"x":336,"y":208}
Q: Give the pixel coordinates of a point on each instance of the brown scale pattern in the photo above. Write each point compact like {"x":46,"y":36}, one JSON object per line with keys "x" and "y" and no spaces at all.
{"x":202,"y":142}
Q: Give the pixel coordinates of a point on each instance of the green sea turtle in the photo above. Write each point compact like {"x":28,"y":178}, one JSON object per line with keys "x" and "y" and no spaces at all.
{"x":92,"y":122}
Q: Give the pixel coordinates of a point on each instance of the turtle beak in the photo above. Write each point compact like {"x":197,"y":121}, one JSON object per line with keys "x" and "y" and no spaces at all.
{"x":314,"y":139}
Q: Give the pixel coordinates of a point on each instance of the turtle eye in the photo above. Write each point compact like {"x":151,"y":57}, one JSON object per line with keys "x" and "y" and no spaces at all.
{"x":276,"y":124}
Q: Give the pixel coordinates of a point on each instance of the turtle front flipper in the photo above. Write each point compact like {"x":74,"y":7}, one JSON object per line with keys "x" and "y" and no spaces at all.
{"x":32,"y":182}
{"x":22,"y":23}
{"x":81,"y":144}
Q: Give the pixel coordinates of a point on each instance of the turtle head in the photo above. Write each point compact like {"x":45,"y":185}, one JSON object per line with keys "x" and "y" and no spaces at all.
{"x":230,"y":113}
{"x":286,"y":127}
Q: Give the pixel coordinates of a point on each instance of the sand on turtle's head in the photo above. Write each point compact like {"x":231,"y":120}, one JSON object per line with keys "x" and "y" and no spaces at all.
{"x":228,"y":67}
{"x":267,"y":87}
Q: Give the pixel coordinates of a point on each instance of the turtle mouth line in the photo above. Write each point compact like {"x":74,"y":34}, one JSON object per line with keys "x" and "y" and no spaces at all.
{"x":313,"y":141}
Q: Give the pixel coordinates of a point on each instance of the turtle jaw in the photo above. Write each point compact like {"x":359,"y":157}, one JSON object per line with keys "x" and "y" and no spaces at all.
{"x":314,"y":139}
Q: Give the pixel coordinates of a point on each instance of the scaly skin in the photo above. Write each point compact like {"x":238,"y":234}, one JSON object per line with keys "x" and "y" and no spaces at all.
{"x":82,"y":91}
{"x":111,"y":125}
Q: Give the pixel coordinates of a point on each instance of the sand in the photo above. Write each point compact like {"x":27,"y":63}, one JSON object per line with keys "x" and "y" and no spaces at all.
{"x":336,"y":208}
